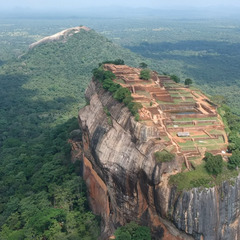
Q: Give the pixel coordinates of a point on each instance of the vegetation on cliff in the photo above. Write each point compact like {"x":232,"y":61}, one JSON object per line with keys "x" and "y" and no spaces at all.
{"x":145,"y":74}
{"x":163,"y":156}
{"x":119,"y":93}
{"x":132,"y":231}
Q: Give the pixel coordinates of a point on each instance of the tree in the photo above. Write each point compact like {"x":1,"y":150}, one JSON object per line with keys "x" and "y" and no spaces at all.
{"x":143,"y":65}
{"x":175,"y":78}
{"x":116,"y":62}
{"x":121,"y":94}
{"x":234,"y":160}
{"x":134,"y":107}
{"x":214,"y":164}
{"x":188,"y":81}
{"x":133,"y":231}
{"x":145,"y":74}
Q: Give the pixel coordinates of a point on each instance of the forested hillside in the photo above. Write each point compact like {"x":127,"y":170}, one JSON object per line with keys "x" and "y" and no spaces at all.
{"x":205,"y":50}
{"x":42,"y":194}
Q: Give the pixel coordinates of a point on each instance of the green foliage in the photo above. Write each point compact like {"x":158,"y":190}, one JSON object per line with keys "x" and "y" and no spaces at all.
{"x":133,"y":231}
{"x":42,"y":196}
{"x":218,"y":99}
{"x":190,"y":179}
{"x":234,"y":160}
{"x":127,"y":100}
{"x":101,"y":75}
{"x":137,"y":117}
{"x":143,"y":65}
{"x":134,"y":107}
{"x":121,"y":94}
{"x":163,"y":156}
{"x":175,"y":78}
{"x":145,"y":74}
{"x":188,"y":81}
{"x":233,"y":124}
{"x":214,"y":164}
{"x":115,"y":62}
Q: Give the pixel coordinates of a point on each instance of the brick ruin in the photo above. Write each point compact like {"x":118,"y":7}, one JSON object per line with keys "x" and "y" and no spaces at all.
{"x":173,"y":108}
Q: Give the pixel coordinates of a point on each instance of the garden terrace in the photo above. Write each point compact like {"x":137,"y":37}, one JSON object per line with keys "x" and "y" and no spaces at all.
{"x":173,"y":108}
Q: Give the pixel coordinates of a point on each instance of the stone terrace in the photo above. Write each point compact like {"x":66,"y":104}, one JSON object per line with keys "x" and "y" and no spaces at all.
{"x":173,"y":108}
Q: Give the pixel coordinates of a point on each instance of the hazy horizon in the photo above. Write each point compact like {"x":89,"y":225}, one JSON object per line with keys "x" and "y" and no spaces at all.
{"x":72,"y":4}
{"x":107,"y":8}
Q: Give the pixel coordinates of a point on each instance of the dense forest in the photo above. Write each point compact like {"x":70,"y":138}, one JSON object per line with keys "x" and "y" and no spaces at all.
{"x":205,"y":50}
{"x":42,"y":193}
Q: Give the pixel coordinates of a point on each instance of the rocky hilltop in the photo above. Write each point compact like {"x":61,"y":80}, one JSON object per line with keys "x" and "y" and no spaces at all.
{"x":60,"y":36}
{"x":125,"y":181}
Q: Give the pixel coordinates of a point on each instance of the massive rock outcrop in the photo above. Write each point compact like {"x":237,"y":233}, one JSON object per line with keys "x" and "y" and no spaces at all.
{"x":125,"y":183}
{"x":60,"y":36}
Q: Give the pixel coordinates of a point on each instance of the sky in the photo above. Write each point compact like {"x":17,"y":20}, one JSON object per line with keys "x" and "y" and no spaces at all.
{"x":79,"y":4}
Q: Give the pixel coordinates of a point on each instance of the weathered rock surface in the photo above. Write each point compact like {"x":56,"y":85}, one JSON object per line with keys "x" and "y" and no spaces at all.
{"x":208,"y":213}
{"x":61,"y":36}
{"x":126,"y":184}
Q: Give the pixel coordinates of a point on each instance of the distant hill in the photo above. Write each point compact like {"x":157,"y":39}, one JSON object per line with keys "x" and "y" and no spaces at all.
{"x":60,"y":70}
{"x":40,"y":93}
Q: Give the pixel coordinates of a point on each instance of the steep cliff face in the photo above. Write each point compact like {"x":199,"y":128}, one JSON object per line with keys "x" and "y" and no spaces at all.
{"x":125,"y":183}
{"x":208,"y":213}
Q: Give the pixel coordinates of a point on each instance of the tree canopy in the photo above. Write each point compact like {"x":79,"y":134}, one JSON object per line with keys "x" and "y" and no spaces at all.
{"x":133,"y":231}
{"x":143,"y":65}
{"x":145,"y":74}
{"x":175,"y":78}
{"x":188,"y":81}
{"x":214,"y":164}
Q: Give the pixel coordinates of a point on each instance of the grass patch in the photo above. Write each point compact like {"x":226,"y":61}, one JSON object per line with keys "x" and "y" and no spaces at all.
{"x":195,"y":178}
{"x":200,"y":136}
{"x":146,"y":104}
{"x":206,"y":123}
{"x":165,"y":138}
{"x":170,"y":148}
{"x":164,"y":103}
{"x":144,"y":93}
{"x":210,"y":142}
{"x":187,"y":143}
{"x":188,"y":149}
{"x":194,"y":158}
{"x":146,"y":82}
{"x":213,"y":131}
{"x":174,"y":95}
{"x":186,"y":94}
{"x":200,"y":178}
{"x":163,"y":156}
{"x":189,"y":100}
{"x":120,"y":81}
{"x":198,"y":119}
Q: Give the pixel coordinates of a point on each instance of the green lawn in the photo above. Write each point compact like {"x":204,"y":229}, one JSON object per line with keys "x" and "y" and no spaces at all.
{"x":188,"y":143}
{"x":191,"y":179}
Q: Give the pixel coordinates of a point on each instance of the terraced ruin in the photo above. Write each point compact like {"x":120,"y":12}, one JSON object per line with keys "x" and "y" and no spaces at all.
{"x":188,"y":122}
